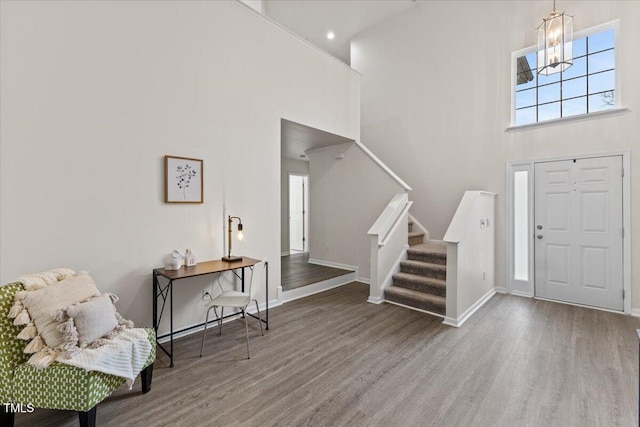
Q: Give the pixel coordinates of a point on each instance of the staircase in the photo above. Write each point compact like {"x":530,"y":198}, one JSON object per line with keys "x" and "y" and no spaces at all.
{"x":421,"y":281}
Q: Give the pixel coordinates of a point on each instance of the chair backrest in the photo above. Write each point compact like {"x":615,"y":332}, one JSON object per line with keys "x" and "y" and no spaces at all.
{"x":256,"y":282}
{"x":11,"y":347}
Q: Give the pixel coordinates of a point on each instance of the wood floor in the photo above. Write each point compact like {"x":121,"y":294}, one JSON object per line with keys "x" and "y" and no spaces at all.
{"x":334,"y":360}
{"x":297,"y":272}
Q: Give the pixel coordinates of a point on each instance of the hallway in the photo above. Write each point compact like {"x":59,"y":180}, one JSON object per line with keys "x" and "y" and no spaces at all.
{"x":297,"y":272}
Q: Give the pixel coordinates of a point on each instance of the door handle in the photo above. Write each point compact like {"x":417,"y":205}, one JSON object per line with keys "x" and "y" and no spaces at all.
{"x":539,"y":236}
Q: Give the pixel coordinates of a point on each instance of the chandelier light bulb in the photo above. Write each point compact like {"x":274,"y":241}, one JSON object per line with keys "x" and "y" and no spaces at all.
{"x":555,"y":43}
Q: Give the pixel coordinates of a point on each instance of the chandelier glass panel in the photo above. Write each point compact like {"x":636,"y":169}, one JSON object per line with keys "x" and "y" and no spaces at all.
{"x":555,"y":43}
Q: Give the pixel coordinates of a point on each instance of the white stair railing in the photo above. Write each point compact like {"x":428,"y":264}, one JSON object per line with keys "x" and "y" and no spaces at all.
{"x":382,"y":166}
{"x":388,"y":244}
{"x":470,"y":243}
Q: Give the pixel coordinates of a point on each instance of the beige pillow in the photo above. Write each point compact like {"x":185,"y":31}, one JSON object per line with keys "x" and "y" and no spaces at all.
{"x":93,"y":319}
{"x":90,"y":324}
{"x":43,"y":304}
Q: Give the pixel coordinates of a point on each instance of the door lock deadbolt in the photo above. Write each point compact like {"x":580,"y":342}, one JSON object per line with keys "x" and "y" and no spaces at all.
{"x":539,"y":227}
{"x":539,"y":236}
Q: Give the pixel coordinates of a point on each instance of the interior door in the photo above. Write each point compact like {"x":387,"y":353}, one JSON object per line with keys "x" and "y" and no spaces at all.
{"x":296,"y":213}
{"x":579,"y":232}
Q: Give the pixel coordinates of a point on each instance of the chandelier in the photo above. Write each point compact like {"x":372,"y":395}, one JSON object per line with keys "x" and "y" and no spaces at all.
{"x":555,"y":43}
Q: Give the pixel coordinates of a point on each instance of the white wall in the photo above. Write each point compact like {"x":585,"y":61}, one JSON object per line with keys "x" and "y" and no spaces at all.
{"x":436,"y":103}
{"x":93,"y":94}
{"x":347,"y":196}
{"x":288,"y":166}
{"x":470,"y":254}
{"x":257,"y":5}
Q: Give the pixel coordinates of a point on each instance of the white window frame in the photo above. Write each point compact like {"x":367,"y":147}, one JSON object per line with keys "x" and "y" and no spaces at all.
{"x":519,"y":287}
{"x":618,"y":109}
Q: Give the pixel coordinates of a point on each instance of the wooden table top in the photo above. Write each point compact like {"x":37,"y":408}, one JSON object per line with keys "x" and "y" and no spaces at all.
{"x":206,"y":267}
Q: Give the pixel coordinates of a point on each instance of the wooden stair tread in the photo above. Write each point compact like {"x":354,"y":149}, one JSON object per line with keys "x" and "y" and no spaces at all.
{"x":415,"y":238}
{"x":420,"y":279}
{"x":429,"y":253}
{"x":426,"y":266}
{"x":430,"y":248}
{"x":423,"y":264}
{"x":420,"y":300}
{"x":426,"y":285}
{"x":417,"y":295}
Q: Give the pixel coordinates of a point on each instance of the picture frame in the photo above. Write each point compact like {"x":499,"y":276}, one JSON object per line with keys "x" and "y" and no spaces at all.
{"x":183,"y":180}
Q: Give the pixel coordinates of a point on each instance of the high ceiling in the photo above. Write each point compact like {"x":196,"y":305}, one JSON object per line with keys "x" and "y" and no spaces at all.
{"x":313,"y":19}
{"x":298,"y":138}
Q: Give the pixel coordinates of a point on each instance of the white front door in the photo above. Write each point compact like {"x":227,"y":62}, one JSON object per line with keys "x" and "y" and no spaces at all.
{"x":578,"y":231}
{"x":296,"y":212}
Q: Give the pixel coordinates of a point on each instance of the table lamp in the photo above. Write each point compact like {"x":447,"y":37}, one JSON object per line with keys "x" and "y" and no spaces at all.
{"x":229,"y":257}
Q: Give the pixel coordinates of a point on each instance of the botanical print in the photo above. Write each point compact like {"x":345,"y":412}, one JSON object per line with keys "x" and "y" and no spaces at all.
{"x":182,"y":180}
{"x":184,"y":173}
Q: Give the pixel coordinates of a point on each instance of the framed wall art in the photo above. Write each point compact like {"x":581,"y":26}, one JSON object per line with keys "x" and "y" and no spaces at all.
{"x":183,"y":180}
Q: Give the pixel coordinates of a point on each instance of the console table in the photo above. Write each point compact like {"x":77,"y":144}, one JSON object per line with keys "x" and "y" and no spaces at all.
{"x":209,"y":267}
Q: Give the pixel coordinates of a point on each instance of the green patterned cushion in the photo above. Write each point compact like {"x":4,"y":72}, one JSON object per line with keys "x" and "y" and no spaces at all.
{"x":11,"y":354}
{"x":59,"y":386}
{"x":62,"y":387}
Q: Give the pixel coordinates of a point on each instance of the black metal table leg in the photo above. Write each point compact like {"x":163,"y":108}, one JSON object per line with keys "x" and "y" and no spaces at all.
{"x":242,"y":281}
{"x":267,"y":293}
{"x":164,"y":293}
{"x":155,"y":303}
{"x":171,"y":319}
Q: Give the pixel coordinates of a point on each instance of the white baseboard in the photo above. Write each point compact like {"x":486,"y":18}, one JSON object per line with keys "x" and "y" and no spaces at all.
{"x":450,"y":321}
{"x":284,"y":254}
{"x":335,"y":265}
{"x":522,"y":294}
{"x":272,"y":304}
{"x":635,"y":312}
{"x":415,"y":309}
{"x":305,"y":291}
{"x":375,"y":300}
{"x":502,"y":290}
{"x":251,"y":309}
{"x":364,"y":280}
{"x":386,"y":282}
{"x":457,"y":322}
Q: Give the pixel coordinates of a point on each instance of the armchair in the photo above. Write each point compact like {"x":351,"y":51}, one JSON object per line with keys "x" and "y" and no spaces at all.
{"x":59,"y":386}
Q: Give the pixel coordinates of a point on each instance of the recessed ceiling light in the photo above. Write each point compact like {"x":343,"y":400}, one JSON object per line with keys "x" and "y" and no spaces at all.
{"x":330,"y":35}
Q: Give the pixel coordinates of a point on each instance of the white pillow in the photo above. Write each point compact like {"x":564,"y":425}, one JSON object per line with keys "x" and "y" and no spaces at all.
{"x":93,"y":319}
{"x":90,"y":324}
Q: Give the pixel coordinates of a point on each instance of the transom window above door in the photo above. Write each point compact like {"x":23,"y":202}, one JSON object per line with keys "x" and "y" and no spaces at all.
{"x":586,"y":87}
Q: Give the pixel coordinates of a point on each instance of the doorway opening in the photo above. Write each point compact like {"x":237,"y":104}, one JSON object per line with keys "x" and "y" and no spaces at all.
{"x":301,"y":274}
{"x":298,"y":213}
{"x":566,"y":230}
